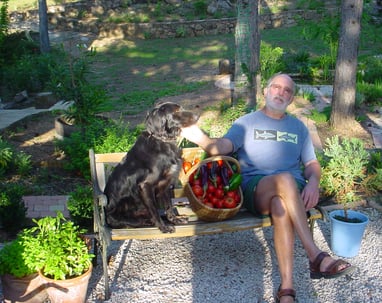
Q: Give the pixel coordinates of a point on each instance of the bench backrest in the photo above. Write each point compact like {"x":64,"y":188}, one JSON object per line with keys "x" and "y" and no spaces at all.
{"x":101,"y":166}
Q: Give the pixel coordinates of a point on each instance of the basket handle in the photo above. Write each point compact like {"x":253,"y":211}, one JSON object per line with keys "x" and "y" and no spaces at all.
{"x":187,"y":175}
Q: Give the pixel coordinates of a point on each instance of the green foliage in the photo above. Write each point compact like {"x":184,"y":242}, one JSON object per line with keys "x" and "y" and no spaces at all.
{"x":12,"y":259}
{"x":299,"y":63}
{"x":118,"y":137}
{"x":271,"y":60}
{"x":102,"y":136}
{"x":370,"y":69}
{"x":375,"y":161}
{"x":6,"y":154}
{"x":24,"y":68}
{"x":345,"y":170}
{"x":69,"y":82}
{"x":320,"y":117}
{"x":11,"y":160}
{"x":4,"y":21}
{"x":23,"y":163}
{"x":217,"y":127}
{"x":12,"y":208}
{"x":371,"y":93}
{"x":200,"y":7}
{"x":80,"y":206}
{"x":55,"y":247}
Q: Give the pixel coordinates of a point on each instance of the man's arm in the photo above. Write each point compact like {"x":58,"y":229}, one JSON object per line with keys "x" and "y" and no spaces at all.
{"x":310,"y":193}
{"x":213,"y":146}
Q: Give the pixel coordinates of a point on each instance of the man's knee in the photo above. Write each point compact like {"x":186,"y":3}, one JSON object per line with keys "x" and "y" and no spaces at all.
{"x":277,"y":206}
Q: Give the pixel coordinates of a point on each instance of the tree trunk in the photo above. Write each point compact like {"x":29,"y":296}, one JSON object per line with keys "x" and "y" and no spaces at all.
{"x":247,"y":42}
{"x":43,"y":27}
{"x":344,"y":89}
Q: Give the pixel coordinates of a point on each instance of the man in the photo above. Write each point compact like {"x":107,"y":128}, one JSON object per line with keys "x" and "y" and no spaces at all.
{"x":272,"y":147}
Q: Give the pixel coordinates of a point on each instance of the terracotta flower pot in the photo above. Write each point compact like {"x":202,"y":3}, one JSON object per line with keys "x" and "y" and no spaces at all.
{"x":67,"y":291}
{"x":29,"y":289}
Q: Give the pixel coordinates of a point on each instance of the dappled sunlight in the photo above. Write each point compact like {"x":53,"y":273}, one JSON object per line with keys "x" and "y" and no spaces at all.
{"x":40,"y":138}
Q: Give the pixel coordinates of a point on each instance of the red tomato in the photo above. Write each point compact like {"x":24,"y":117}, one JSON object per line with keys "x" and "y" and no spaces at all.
{"x":186,"y":166}
{"x":211,"y":188}
{"x":237,"y":197}
{"x":219,"y":193}
{"x":197,"y":190}
{"x":229,"y":202}
{"x":197,"y":182}
{"x":220,"y":163}
{"x":214,"y":200}
{"x":231,"y":193}
{"x":219,"y":203}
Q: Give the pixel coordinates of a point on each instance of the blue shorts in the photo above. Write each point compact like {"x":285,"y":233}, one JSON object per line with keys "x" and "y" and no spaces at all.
{"x":249,"y":190}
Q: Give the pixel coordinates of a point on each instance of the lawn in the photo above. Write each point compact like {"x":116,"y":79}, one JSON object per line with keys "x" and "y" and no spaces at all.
{"x":139,"y":71}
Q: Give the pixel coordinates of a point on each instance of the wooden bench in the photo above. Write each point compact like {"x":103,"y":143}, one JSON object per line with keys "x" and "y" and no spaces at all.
{"x":101,"y":166}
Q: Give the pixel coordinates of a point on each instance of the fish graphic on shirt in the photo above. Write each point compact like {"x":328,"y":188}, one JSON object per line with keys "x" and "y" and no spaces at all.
{"x":265,"y":135}
{"x":287,"y":137}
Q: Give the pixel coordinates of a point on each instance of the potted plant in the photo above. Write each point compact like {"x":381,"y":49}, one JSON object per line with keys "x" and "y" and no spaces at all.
{"x":345,"y":177}
{"x":61,"y":257}
{"x":20,"y":281}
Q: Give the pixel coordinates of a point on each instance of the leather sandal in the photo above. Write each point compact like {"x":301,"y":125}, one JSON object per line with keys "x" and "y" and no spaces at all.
{"x":333,"y":271}
{"x":285,"y":292}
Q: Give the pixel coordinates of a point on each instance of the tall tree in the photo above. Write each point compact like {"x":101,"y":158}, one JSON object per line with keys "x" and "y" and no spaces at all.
{"x":344,"y":88}
{"x":247,"y":42}
{"x":43,"y":26}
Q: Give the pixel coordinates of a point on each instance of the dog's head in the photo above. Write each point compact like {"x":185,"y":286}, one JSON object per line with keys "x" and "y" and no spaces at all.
{"x":165,"y":120}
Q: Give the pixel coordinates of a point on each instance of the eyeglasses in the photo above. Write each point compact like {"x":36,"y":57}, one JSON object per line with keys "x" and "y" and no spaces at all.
{"x":284,"y":90}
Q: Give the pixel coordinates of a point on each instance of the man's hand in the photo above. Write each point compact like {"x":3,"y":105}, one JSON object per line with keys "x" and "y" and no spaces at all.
{"x":193,"y":133}
{"x":310,"y":195}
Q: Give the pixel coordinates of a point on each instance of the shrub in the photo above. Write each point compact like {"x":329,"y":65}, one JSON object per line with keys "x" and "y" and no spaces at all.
{"x":271,"y":60}
{"x":101,"y":135}
{"x":11,"y":160}
{"x":80,"y":206}
{"x":345,"y":173}
{"x":12,"y":208}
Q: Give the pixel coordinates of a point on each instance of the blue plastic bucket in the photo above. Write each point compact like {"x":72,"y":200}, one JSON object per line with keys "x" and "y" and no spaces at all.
{"x":346,"y":237}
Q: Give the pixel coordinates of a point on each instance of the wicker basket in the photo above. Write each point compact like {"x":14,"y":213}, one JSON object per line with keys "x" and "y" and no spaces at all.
{"x":203,"y":211}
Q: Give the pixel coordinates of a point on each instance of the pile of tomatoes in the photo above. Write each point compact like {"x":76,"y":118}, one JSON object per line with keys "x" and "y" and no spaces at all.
{"x":215,"y":184}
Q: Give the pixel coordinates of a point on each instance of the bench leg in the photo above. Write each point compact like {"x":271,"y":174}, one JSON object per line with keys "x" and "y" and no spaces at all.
{"x":311,"y":225}
{"x":105,"y":271}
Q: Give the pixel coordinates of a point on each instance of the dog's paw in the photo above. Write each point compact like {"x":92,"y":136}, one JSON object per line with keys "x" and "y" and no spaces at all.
{"x":167,"y":228}
{"x":180,"y":220}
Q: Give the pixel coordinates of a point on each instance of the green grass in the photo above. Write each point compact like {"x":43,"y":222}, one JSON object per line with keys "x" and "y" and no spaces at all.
{"x":137,"y":72}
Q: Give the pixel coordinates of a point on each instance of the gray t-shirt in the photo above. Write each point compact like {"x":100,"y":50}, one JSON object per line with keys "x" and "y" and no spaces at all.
{"x":268,"y":146}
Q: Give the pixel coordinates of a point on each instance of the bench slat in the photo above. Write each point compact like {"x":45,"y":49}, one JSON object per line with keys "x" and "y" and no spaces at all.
{"x":242,"y":221}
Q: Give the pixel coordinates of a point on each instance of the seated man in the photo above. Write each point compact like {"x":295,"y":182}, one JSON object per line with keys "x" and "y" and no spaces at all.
{"x":272,"y":147}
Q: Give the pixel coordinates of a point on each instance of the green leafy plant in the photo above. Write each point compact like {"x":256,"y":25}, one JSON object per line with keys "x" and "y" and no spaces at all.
{"x":80,"y":206}
{"x":69,"y":82}
{"x":12,"y":208}
{"x":56,"y":249}
{"x":344,"y":173}
{"x":4,"y":22}
{"x":101,"y":135}
{"x":12,"y":259}
{"x":13,"y":160}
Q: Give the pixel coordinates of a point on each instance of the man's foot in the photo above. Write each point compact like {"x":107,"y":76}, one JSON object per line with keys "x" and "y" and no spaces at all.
{"x":285,"y":295}
{"x":326,"y":267}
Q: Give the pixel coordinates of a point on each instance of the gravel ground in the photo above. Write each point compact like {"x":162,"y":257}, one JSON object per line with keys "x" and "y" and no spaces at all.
{"x":233,"y":267}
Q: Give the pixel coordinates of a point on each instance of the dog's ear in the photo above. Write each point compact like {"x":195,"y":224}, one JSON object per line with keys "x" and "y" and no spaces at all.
{"x":161,"y":122}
